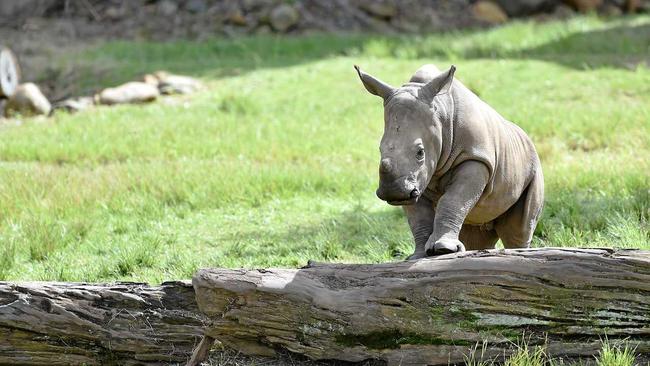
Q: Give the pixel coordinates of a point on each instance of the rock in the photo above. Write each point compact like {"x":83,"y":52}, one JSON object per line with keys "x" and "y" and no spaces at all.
{"x":489,"y":12}
{"x":18,"y":8}
{"x":381,"y":9}
{"x":283,"y":17}
{"x":263,"y":30}
{"x":526,"y":7}
{"x":632,"y":6}
{"x":75,"y":104}
{"x":167,"y":8}
{"x":563,"y":11}
{"x":584,"y":6}
{"x":131,"y":92}
{"x":28,"y":100}
{"x":176,"y":84}
{"x":251,"y":5}
{"x":151,"y":79}
{"x":114,"y":13}
{"x":611,"y":10}
{"x":196,"y":6}
{"x":237,"y":18}
{"x":618,"y":3}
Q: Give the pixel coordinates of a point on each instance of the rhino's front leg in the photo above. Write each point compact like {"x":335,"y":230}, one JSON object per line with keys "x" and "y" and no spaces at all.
{"x":461,"y":194}
{"x":420,"y":217}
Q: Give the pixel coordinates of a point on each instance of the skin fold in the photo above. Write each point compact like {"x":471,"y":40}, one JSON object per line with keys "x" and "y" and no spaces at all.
{"x":464,"y":175}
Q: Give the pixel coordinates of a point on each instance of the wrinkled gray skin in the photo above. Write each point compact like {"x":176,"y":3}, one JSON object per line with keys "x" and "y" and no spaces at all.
{"x":464,"y":175}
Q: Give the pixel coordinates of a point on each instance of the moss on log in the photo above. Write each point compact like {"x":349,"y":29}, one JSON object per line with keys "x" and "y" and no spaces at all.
{"x":119,"y":324}
{"x":432,"y":311}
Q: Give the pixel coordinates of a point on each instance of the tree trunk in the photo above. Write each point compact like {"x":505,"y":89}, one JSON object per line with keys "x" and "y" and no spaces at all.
{"x":121,"y":324}
{"x":433,"y":311}
{"x":9,"y":72}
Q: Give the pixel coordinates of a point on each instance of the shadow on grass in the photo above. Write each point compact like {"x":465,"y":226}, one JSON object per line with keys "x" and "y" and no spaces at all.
{"x":572,"y":217}
{"x":589,"y":217}
{"x":620,"y":46}
{"x":353,"y":235}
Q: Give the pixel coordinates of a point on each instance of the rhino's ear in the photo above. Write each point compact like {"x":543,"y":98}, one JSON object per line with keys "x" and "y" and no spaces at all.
{"x":374,"y":85}
{"x":439,"y":85}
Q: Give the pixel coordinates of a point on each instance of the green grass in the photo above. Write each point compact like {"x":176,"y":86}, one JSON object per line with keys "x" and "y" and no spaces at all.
{"x":612,"y":353}
{"x":615,"y":355}
{"x":274,"y":163}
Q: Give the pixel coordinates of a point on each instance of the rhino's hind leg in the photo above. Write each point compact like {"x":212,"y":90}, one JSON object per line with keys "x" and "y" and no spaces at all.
{"x":478,"y":237}
{"x":517,"y":225}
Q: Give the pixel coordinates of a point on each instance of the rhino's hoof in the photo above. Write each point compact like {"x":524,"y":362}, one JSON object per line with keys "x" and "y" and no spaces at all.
{"x":446,"y":246}
{"x":416,"y":255}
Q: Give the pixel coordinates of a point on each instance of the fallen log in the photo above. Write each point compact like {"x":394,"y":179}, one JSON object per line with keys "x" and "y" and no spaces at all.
{"x":433,"y":311}
{"x":45,"y":323}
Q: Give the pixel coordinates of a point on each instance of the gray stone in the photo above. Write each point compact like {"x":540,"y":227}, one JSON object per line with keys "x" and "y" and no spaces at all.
{"x":167,"y":8}
{"x":283,"y":17}
{"x":251,"y":5}
{"x":176,"y":84}
{"x":28,"y":100}
{"x":526,"y":7}
{"x":75,"y":104}
{"x":263,"y":30}
{"x":381,"y":9}
{"x":563,"y":11}
{"x":131,"y":92}
{"x":16,"y":8}
{"x":115,"y":12}
{"x":196,"y":6}
{"x":611,"y":10}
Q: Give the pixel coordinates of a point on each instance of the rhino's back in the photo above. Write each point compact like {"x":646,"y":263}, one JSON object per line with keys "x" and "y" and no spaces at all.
{"x":483,"y":134}
{"x":425,"y":74}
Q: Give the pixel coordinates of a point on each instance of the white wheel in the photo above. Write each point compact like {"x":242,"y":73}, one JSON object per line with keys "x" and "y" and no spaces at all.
{"x":9,"y":72}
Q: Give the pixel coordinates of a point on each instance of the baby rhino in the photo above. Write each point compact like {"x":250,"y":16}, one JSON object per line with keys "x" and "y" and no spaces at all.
{"x":465,"y":176}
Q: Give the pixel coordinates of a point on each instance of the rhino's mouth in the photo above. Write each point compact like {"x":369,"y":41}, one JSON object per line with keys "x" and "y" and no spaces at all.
{"x":406,"y":202}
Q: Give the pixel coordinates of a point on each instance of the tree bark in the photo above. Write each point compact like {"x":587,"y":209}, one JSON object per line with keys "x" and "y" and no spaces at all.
{"x":120,"y":324}
{"x":435,"y":310}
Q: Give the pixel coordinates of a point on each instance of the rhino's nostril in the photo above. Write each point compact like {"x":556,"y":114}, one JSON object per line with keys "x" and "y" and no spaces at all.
{"x":415,"y":193}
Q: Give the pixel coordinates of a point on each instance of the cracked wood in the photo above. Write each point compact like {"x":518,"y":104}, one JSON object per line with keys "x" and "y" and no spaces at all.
{"x":47,"y":323}
{"x":434,"y":310}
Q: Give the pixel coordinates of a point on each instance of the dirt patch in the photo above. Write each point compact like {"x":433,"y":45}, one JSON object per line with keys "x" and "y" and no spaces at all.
{"x":228,"y":357}
{"x":45,"y":48}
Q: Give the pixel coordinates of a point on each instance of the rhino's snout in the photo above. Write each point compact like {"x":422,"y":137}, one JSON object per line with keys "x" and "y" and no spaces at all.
{"x":394,"y":187}
{"x":385,"y":167}
{"x":402,"y":194}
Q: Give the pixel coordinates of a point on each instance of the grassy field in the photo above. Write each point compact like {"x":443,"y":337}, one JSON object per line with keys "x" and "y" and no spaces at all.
{"x":274,"y":163}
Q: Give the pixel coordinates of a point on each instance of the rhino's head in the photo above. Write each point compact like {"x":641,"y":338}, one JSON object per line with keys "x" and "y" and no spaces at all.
{"x":412,"y":142}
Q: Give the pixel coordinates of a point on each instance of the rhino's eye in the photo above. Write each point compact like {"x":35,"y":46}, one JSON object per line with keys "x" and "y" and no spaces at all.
{"x":420,"y":154}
